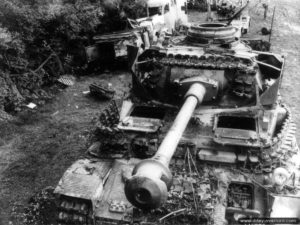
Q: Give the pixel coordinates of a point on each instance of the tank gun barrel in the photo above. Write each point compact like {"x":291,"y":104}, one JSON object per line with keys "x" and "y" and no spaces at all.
{"x":151,"y":178}
{"x":193,"y":97}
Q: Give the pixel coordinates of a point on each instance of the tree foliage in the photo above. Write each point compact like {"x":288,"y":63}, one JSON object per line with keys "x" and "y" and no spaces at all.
{"x":117,"y":12}
{"x":31,"y":30}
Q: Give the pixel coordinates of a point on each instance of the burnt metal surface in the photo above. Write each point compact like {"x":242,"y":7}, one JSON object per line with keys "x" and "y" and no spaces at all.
{"x":83,"y":179}
{"x":221,"y":157}
{"x":114,"y":37}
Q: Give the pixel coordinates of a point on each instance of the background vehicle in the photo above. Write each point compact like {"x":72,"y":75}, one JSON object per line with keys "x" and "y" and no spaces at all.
{"x":166,"y":14}
{"x":242,"y":22}
{"x":163,"y":17}
{"x":235,"y":14}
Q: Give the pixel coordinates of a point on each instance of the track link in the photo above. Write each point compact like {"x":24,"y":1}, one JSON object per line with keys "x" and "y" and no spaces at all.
{"x":74,"y":211}
{"x":285,"y":144}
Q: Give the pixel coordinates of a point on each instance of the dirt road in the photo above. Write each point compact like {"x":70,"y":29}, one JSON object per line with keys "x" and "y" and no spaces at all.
{"x":35,"y":151}
{"x":42,"y":144}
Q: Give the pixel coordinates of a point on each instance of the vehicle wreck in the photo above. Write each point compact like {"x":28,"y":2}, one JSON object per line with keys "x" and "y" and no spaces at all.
{"x":161,"y":17}
{"x":203,"y":137}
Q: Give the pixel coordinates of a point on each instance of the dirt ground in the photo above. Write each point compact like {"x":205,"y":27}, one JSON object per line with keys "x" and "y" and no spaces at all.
{"x":38,"y":147}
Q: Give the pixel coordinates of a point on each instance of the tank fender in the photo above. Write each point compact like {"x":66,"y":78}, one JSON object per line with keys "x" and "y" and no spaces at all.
{"x":84,"y":179}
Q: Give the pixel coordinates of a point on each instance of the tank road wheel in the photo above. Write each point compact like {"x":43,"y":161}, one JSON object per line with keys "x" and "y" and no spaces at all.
{"x":74,"y":211}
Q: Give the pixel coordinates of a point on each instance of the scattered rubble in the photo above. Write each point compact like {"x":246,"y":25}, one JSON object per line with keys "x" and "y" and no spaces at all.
{"x":31,"y":105}
{"x":67,"y":80}
{"x":101,"y":92}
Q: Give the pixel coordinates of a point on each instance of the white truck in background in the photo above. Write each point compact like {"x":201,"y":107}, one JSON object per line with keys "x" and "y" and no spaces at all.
{"x":242,"y":22}
{"x":164,"y":15}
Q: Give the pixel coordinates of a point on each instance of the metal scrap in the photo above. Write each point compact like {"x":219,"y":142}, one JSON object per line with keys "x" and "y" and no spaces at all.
{"x":175,"y":213}
{"x":67,"y":80}
{"x":101,"y":91}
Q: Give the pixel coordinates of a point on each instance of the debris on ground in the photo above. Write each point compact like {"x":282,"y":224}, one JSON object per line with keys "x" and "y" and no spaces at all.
{"x":67,"y":80}
{"x":86,"y":92}
{"x":265,"y":31}
{"x":4,"y":116}
{"x":101,"y":92}
{"x":31,"y":105}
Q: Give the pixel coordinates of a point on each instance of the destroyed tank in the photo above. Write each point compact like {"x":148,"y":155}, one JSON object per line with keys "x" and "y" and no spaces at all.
{"x":202,"y":138}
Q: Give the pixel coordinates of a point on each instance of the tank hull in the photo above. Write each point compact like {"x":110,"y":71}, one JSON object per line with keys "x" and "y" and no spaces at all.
{"x":222,"y":161}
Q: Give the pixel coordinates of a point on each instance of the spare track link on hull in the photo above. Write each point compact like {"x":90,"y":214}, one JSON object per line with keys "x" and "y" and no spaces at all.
{"x":211,"y":62}
{"x":108,"y":119}
{"x":74,"y":211}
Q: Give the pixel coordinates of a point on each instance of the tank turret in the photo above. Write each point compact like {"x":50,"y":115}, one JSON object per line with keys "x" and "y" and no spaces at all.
{"x":195,"y":141}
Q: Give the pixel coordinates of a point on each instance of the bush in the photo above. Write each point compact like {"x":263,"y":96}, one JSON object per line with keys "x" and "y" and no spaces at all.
{"x":40,"y":26}
{"x":31,"y":30}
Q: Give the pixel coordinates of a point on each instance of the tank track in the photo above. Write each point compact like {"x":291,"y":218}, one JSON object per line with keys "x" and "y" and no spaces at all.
{"x":116,"y":143}
{"x":284,"y":144}
{"x":285,"y":140}
{"x":209,"y":61}
{"x":242,"y":80}
{"x":74,"y":211}
{"x":108,"y":119}
{"x":243,"y":84}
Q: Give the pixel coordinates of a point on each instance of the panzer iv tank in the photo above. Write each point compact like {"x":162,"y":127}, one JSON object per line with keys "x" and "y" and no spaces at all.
{"x":203,"y":138}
